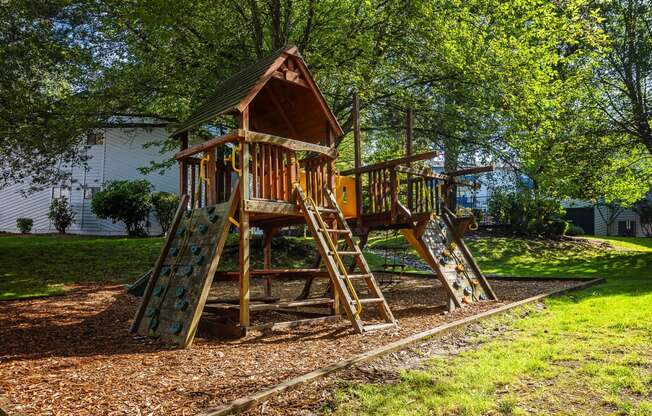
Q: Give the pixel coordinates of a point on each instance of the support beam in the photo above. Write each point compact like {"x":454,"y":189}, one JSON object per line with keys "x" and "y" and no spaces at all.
{"x":268,"y":234}
{"x":409,"y":125}
{"x":391,"y":163}
{"x":244,"y":226}
{"x":473,"y":170}
{"x":355,"y":114}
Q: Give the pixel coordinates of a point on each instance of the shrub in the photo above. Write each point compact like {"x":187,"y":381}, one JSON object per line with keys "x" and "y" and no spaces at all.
{"x":24,"y":224}
{"x":165,"y":205}
{"x":527,"y":212}
{"x":61,"y":214}
{"x":126,"y":201}
{"x":575,"y":230}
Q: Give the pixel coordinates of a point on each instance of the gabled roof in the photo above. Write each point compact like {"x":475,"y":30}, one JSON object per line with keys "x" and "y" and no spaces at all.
{"x":237,"y":92}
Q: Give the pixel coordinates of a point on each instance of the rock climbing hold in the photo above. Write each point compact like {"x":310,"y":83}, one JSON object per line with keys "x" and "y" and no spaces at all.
{"x":483,"y":296}
{"x":457,"y":284}
{"x":202,"y":228}
{"x":467,"y":291}
{"x":166,"y":270}
{"x":149,"y":312}
{"x":199,"y":259}
{"x":186,"y":271}
{"x":179,"y":291}
{"x":189,"y":213}
{"x":443,"y":261}
{"x":211,"y":209}
{"x":174,"y":251}
{"x":446,"y":253}
{"x":195,"y":250}
{"x":158,"y":290}
{"x":459,"y":268}
{"x":181,"y":231}
{"x":181,"y":305}
{"x":213,"y":217}
{"x":175,"y":328}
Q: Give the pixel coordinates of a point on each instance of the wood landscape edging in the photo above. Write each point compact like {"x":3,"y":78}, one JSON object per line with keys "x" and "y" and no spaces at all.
{"x":247,"y":402}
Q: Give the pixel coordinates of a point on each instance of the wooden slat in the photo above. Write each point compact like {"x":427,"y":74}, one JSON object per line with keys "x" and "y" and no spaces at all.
{"x":390,"y":163}
{"x":209,"y":144}
{"x":296,"y":145}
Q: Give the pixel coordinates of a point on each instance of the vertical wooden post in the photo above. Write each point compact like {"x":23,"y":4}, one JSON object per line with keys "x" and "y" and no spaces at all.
{"x":183,"y":166}
{"x":244,"y":224}
{"x":408,"y":152}
{"x":268,"y":234}
{"x":357,"y":146}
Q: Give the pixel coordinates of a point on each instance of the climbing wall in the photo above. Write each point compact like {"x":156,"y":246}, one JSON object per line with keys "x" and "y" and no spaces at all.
{"x":176,"y":295}
{"x":439,"y":247}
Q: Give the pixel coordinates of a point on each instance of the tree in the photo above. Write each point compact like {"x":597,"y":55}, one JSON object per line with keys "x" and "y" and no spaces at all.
{"x":61,"y":214}
{"x":126,"y":201}
{"x":43,"y":115}
{"x":165,"y":205}
{"x":626,"y":73}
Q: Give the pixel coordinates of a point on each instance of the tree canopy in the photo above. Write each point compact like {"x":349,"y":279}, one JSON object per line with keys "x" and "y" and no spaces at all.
{"x":555,"y":90}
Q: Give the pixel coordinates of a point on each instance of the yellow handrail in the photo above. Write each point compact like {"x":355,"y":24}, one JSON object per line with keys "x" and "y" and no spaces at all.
{"x":202,"y":177}
{"x":340,"y":264}
{"x":231,"y":159}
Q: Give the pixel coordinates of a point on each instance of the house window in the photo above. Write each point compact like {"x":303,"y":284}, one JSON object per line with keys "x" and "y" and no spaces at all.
{"x":61,"y":192}
{"x":90,"y":191}
{"x":94,"y":138}
{"x":627,"y":228}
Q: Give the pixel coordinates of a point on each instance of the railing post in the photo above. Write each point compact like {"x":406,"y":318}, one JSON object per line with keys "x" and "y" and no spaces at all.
{"x":394,"y":193}
{"x":355,"y":115}
{"x":244,"y":224}
{"x":408,"y":152}
{"x":183,"y":166}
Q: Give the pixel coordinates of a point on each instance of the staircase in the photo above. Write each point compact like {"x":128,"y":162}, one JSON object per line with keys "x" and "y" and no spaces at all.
{"x":326,"y":233}
{"x":447,"y":255}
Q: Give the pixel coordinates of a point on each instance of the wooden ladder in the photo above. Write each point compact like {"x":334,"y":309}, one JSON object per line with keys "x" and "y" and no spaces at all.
{"x":341,"y":276}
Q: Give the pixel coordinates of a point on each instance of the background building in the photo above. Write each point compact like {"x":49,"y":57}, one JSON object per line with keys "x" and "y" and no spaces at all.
{"x":116,"y":152}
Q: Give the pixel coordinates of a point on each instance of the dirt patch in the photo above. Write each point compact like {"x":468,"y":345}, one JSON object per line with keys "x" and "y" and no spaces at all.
{"x":72,"y":354}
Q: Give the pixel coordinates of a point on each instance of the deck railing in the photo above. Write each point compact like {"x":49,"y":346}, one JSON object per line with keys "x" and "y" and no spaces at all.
{"x":208,"y":170}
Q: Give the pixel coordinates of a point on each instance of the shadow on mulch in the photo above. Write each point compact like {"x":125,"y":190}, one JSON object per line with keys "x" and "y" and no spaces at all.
{"x":29,"y":329}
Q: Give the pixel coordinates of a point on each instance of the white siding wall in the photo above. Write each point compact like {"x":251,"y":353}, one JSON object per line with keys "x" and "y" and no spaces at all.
{"x":14,"y":205}
{"x":625,"y":215}
{"x":125,"y":154}
{"x":118,"y":158}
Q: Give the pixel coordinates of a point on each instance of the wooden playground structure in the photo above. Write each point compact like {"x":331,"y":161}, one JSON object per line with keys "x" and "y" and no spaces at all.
{"x":277,"y":169}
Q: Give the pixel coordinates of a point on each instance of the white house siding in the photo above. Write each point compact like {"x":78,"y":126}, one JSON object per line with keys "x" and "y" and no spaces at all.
{"x":118,"y":158}
{"x":14,"y":205}
{"x":625,"y":215}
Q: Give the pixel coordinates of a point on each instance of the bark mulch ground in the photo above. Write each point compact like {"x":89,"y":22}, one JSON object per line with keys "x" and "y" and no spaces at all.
{"x":72,"y":354}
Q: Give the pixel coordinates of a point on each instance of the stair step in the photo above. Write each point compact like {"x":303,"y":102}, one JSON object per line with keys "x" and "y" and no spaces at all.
{"x":359,"y":276}
{"x":369,"y":301}
{"x":335,"y":231}
{"x":348,"y":253}
{"x":378,"y":327}
{"x":327,"y":210}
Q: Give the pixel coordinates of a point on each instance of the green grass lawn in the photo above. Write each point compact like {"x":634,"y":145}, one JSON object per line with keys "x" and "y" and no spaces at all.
{"x":41,"y":265}
{"x":589,"y":352}
{"x":36,"y":265}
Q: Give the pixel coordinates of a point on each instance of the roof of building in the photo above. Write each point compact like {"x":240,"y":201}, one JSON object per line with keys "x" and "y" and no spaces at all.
{"x":237,"y":92}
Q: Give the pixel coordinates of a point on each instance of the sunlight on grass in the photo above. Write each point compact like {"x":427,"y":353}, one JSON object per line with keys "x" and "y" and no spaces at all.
{"x":587,"y":353}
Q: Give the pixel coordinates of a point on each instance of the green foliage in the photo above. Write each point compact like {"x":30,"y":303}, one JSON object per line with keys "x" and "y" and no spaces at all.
{"x":527,"y":211}
{"x":165,"y":205}
{"x":574,"y":230}
{"x":126,"y":201}
{"x":24,"y":224}
{"x":61,"y":214}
